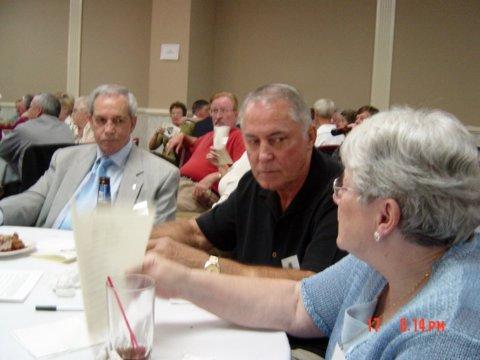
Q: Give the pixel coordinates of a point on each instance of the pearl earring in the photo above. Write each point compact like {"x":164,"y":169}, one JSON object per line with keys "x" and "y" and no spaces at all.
{"x":376,"y":236}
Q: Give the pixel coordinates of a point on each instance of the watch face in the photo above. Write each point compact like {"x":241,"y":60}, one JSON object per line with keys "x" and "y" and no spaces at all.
{"x":212,"y":268}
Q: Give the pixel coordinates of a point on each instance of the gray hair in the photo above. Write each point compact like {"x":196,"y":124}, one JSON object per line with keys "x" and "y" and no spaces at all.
{"x":48,"y":102}
{"x":82,"y":102}
{"x":113,"y":89}
{"x":299,"y":112}
{"x":428,"y":162}
{"x":27,"y":100}
{"x":324,"y":108}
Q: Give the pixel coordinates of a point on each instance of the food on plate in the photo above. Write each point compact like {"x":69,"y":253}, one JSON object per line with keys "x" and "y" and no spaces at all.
{"x":10,"y":242}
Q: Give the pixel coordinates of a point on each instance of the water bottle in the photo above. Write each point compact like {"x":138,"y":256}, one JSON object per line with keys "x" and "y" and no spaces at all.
{"x":104,"y":197}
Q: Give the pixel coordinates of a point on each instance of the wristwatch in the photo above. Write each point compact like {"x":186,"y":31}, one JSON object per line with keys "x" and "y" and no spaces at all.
{"x":212,"y":265}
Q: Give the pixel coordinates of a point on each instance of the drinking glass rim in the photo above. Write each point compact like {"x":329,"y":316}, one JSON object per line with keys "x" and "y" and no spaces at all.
{"x":118,"y":286}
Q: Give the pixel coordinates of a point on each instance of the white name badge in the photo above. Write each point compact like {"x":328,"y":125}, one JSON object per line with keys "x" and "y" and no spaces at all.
{"x":338,"y":353}
{"x":291,"y":262}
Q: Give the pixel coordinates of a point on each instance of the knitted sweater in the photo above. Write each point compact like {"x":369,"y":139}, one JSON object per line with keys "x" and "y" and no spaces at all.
{"x":442,"y":321}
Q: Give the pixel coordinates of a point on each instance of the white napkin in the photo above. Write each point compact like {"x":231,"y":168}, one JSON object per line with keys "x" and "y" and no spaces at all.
{"x":56,"y":337}
{"x":62,"y":250}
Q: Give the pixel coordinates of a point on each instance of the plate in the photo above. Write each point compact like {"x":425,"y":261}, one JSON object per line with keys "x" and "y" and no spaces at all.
{"x":29,"y":246}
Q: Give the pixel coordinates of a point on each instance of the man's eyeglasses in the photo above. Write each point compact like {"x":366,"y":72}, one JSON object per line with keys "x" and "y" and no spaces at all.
{"x":338,"y":188}
{"x":219,"y":111}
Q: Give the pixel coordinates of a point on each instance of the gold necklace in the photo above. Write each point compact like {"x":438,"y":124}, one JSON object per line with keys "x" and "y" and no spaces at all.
{"x":375,"y":320}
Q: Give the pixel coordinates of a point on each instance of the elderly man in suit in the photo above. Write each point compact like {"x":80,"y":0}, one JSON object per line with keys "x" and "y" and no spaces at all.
{"x":43,"y":128}
{"x":135,"y":175}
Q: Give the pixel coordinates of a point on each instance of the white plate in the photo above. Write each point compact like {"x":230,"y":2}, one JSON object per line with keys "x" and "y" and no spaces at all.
{"x":29,"y":246}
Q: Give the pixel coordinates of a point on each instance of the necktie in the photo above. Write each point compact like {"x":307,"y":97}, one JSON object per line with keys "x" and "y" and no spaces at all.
{"x":86,"y":198}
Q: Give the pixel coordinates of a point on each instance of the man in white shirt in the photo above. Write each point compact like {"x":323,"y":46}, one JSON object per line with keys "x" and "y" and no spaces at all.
{"x":324,"y":109}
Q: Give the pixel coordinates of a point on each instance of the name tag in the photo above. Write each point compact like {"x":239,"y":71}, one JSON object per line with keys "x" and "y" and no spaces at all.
{"x":291,"y":262}
{"x":338,"y":353}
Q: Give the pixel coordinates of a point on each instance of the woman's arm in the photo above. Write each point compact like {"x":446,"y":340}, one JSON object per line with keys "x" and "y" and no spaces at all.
{"x":252,"y":302}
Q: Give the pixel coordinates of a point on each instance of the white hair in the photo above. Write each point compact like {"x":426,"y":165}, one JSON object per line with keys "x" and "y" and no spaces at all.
{"x":299,"y":112}
{"x":113,"y":89}
{"x":428,"y":162}
{"x":324,"y":108}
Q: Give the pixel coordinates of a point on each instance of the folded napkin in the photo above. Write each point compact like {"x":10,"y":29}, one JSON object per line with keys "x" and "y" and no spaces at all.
{"x":56,"y":337}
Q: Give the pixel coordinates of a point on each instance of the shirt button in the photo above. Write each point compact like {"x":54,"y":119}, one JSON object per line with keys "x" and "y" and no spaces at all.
{"x":274,"y":254}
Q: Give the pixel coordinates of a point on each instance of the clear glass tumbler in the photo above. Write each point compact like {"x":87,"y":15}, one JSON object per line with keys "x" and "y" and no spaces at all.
{"x":130,"y":304}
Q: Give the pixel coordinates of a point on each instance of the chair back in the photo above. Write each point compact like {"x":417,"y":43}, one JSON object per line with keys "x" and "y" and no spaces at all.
{"x":36,"y":161}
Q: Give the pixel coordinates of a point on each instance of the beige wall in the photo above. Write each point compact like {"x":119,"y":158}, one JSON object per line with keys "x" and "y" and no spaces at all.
{"x":168,"y":80}
{"x":324,"y":48}
{"x":436,"y":57}
{"x":33,"y":55}
{"x":200,"y":62}
{"x":116,"y":45}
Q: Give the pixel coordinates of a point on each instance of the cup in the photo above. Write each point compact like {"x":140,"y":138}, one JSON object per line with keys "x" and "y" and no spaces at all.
{"x":130,"y":305}
{"x":220,"y":136}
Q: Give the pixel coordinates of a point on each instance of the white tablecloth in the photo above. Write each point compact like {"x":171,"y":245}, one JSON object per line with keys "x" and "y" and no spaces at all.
{"x":180,"y":329}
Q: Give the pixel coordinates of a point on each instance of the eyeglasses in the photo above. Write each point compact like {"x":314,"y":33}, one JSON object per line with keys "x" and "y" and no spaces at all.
{"x":338,"y":189}
{"x":219,"y":111}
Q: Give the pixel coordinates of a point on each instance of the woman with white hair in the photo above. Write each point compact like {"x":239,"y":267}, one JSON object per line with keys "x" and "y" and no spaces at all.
{"x":408,"y":205}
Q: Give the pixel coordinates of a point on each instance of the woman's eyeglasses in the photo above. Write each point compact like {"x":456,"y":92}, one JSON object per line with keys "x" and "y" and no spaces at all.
{"x":338,"y":188}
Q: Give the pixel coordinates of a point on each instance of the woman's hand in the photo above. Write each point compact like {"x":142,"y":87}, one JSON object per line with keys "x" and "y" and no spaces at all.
{"x":169,"y":275}
{"x":176,"y":143}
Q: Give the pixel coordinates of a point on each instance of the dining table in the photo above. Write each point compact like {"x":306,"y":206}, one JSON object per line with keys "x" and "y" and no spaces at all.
{"x":182,"y":330}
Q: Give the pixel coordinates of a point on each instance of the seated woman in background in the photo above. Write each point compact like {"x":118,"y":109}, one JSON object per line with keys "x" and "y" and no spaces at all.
{"x":178,"y":112}
{"x":66,"y":101}
{"x":365,"y":112}
{"x":408,"y":205}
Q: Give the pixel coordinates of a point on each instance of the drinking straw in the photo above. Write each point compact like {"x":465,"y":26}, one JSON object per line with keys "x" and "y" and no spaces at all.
{"x":133,"y":339}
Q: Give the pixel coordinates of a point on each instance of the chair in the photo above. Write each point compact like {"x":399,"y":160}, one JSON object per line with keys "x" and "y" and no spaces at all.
{"x":328,"y":149}
{"x":36,"y":160}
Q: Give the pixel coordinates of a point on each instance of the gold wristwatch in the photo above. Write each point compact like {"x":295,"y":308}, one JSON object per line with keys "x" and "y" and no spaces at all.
{"x":212,"y":265}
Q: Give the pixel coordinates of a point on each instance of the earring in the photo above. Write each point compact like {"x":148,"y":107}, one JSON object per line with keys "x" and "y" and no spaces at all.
{"x":376,"y":236}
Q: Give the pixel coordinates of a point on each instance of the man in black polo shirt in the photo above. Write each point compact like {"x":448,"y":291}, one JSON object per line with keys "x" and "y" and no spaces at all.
{"x":281,"y":221}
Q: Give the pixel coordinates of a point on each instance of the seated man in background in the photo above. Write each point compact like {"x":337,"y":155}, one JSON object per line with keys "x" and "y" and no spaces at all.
{"x":43,"y":128}
{"x":81,"y":126}
{"x":135,"y":175}
{"x":200,"y":174}
{"x":323,"y":110}
{"x":202,"y":118}
{"x":21,"y":105}
{"x":200,"y":110}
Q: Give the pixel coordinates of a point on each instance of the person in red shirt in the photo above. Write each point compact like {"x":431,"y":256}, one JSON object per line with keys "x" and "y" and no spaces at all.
{"x":22,"y":106}
{"x":198,"y":188}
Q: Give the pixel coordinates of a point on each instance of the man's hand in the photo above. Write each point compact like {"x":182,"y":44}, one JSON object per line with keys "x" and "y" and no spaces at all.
{"x":178,"y":252}
{"x":176,"y":143}
{"x":202,"y":192}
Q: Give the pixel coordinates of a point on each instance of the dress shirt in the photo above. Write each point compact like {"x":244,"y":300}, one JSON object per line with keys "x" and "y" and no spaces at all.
{"x":114,"y":172}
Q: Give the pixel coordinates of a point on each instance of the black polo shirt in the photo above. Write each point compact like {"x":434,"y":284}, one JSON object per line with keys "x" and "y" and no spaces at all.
{"x":252,"y":225}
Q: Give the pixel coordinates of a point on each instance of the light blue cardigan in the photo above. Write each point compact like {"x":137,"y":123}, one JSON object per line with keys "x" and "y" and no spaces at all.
{"x":451,"y":295}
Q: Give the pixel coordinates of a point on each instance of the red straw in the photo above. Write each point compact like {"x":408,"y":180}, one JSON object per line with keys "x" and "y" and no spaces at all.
{"x":133,"y":339}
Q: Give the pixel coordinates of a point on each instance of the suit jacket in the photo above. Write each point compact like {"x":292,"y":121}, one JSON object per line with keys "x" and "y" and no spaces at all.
{"x":44,"y":130}
{"x":145,"y":177}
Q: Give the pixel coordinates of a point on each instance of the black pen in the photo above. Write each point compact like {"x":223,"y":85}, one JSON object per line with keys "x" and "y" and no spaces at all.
{"x":58,"y":308}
